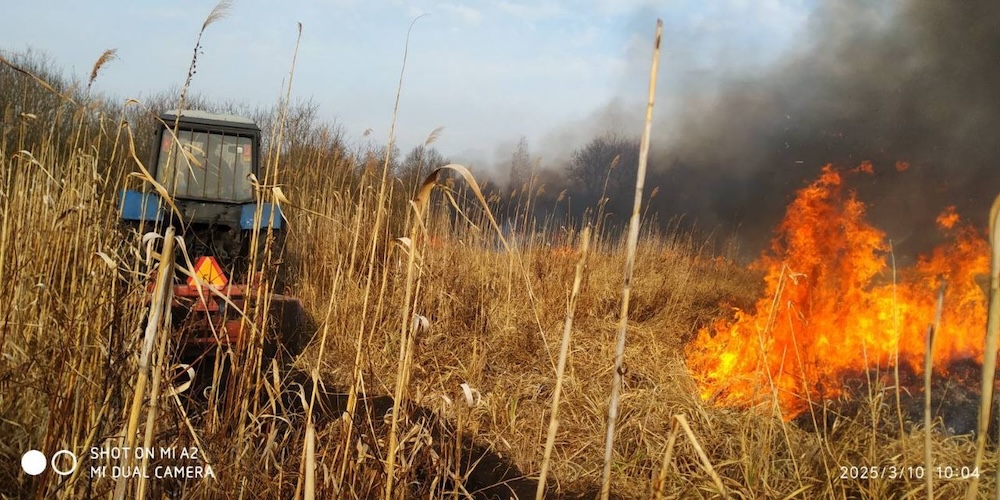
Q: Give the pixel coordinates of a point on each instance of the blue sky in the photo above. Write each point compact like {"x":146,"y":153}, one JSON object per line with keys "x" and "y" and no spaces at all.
{"x":488,"y":71}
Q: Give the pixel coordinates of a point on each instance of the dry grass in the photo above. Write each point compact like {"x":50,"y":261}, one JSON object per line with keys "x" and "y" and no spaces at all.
{"x":473,"y":389}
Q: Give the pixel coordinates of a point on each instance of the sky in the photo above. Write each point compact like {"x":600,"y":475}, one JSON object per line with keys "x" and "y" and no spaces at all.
{"x":488,"y":72}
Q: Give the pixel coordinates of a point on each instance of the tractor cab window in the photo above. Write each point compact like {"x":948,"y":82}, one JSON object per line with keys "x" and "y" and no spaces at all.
{"x":206,"y":165}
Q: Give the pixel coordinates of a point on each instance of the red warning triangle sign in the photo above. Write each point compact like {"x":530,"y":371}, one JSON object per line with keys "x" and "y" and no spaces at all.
{"x":208,"y":269}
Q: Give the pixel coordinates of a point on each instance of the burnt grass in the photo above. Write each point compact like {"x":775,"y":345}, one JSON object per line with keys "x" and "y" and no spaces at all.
{"x":955,"y":401}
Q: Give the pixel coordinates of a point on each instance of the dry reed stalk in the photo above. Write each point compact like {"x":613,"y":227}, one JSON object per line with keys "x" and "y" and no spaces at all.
{"x":661,"y":478}
{"x":271,"y":175}
{"x":262,"y":298}
{"x":310,"y":462}
{"x":218,"y":12}
{"x":144,"y":173}
{"x":895,"y":359}
{"x":154,"y":397}
{"x":775,"y":404}
{"x":161,"y":301}
{"x":352,"y":391}
{"x":106,"y":57}
{"x":928,"y":367}
{"x":701,"y":453}
{"x":782,"y":280}
{"x":785,"y":275}
{"x":40,"y":81}
{"x":633,"y":239}
{"x":409,"y":326}
{"x":561,"y":368}
{"x":990,"y":353}
{"x":81,"y":124}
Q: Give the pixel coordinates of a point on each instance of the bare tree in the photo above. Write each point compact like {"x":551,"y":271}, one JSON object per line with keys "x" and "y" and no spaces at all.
{"x":419,"y":162}
{"x":605,"y":168}
{"x":520,"y":165}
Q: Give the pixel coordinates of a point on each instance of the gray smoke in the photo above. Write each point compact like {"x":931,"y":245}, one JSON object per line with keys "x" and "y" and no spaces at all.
{"x":917,"y":81}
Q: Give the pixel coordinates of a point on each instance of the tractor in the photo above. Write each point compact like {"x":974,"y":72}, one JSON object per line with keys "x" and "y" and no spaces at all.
{"x":206,"y":162}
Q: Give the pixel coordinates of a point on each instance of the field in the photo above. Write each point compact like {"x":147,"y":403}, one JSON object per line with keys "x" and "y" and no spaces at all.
{"x":448,"y":327}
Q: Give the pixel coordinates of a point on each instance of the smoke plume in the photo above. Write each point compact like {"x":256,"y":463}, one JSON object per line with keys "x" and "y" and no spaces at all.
{"x":915,"y":81}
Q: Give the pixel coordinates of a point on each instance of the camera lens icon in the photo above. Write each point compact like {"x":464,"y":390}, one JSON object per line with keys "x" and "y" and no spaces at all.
{"x":33,"y":462}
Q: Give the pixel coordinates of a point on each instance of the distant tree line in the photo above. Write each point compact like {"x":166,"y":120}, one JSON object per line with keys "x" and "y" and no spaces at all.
{"x":594,"y":186}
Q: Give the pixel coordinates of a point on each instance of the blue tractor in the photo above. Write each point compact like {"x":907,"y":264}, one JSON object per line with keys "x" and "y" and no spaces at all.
{"x":207,"y":167}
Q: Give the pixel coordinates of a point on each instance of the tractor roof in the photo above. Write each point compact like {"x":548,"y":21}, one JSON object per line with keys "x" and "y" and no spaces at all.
{"x":205,"y":118}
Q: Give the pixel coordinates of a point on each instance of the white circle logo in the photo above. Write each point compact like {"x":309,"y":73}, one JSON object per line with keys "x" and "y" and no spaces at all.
{"x":72,"y":468}
{"x":33,"y":462}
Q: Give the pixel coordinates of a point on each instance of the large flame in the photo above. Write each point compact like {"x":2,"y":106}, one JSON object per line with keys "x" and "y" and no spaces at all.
{"x":834,"y":306}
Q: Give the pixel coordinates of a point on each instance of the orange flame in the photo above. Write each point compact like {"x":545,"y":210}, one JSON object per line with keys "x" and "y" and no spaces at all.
{"x":948,"y":218}
{"x":832,"y":307}
{"x":865,"y":167}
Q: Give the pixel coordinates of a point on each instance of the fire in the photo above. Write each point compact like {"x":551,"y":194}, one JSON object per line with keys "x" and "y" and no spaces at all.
{"x":948,"y":218}
{"x":832,"y":307}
